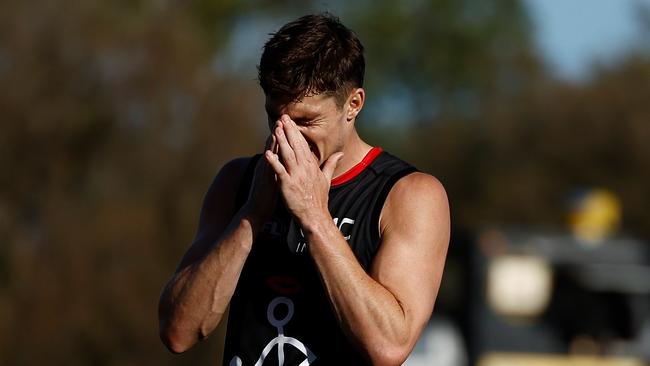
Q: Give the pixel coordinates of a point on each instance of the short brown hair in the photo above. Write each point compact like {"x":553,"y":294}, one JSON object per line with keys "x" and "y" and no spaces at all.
{"x":314,"y":54}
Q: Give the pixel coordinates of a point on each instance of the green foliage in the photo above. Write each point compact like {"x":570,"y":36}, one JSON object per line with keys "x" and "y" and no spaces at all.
{"x":449,"y":55}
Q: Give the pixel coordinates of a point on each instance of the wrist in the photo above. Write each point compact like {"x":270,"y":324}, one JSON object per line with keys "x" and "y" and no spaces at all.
{"x":316,"y":222}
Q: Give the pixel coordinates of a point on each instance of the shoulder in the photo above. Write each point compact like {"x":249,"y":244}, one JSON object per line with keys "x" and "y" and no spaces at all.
{"x":415,"y":197}
{"x":222,"y":191}
{"x":235,"y":168}
{"x":231,"y":173}
{"x":418,"y":185}
{"x":219,"y":204}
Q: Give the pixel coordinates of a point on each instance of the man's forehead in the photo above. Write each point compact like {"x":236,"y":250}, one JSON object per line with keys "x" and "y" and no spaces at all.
{"x":308,"y":105}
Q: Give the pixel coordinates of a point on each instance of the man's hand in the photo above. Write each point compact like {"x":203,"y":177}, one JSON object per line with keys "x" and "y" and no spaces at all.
{"x":264,"y":189}
{"x":304,"y":185}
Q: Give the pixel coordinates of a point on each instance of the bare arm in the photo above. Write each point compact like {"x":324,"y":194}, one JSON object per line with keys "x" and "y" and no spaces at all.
{"x":385,"y":311}
{"x":196,"y":297}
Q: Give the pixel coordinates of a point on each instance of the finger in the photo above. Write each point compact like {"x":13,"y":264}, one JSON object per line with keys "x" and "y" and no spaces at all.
{"x":295,"y":138}
{"x":330,"y":165}
{"x":270,"y":146}
{"x":268,"y":143}
{"x":274,"y":144}
{"x":286,"y":153}
{"x":276,"y":165}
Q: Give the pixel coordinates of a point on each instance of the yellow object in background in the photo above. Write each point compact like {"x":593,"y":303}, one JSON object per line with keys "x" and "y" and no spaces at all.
{"x":596,"y":215}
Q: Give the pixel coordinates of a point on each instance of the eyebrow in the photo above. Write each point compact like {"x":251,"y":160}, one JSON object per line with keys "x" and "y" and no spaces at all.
{"x":302,"y":116}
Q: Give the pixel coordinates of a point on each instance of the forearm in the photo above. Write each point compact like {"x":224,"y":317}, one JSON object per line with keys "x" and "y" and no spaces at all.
{"x":195,"y":299}
{"x":369,"y":313}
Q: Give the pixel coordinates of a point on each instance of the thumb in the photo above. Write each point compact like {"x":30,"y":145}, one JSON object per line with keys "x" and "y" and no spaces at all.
{"x":330,"y":165}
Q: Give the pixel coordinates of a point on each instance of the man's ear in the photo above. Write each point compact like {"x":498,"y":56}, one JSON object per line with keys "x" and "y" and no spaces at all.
{"x":355,"y":103}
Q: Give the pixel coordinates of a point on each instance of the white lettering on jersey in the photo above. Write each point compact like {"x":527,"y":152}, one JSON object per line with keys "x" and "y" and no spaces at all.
{"x":343,"y":222}
{"x":302,"y":244}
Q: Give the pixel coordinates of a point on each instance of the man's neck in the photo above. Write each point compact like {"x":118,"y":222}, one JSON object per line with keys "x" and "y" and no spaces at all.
{"x":354,"y":151}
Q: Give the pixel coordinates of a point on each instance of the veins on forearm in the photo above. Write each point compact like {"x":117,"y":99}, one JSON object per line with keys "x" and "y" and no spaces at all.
{"x":369,"y":313}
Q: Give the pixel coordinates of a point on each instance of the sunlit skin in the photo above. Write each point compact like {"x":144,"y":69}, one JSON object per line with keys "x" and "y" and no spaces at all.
{"x":382,"y":311}
{"x":326,"y":127}
{"x":314,"y":140}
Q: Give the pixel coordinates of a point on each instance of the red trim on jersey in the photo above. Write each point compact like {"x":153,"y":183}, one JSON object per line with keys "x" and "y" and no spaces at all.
{"x":355,"y":170}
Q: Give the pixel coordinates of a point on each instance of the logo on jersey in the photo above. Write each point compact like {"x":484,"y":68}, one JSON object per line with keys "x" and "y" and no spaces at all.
{"x":281,"y":340}
{"x":272,"y":229}
{"x":344,"y":225}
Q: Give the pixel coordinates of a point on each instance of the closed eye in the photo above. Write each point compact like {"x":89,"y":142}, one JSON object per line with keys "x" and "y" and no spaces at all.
{"x":303,"y":121}
{"x":306,"y":121}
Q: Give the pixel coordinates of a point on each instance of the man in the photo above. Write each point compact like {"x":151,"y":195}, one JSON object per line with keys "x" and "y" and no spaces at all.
{"x":328,"y":251}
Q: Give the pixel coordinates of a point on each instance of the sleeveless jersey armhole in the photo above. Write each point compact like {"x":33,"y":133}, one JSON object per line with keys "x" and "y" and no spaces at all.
{"x":247,"y":180}
{"x":381,"y":200}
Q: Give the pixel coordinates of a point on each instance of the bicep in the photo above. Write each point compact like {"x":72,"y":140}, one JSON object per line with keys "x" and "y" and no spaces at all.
{"x":415,"y":235}
{"x":218,"y":208}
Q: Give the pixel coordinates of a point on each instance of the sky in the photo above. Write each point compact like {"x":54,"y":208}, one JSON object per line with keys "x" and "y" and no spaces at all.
{"x":572,"y":34}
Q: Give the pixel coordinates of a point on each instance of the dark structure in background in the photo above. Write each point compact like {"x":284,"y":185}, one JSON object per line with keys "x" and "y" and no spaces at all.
{"x":550,"y":297}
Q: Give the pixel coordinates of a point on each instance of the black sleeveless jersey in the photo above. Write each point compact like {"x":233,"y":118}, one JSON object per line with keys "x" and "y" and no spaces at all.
{"x":280,"y":313}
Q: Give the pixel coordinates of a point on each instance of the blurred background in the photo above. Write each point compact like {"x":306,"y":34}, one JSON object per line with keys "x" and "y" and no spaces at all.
{"x":535,"y":115}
